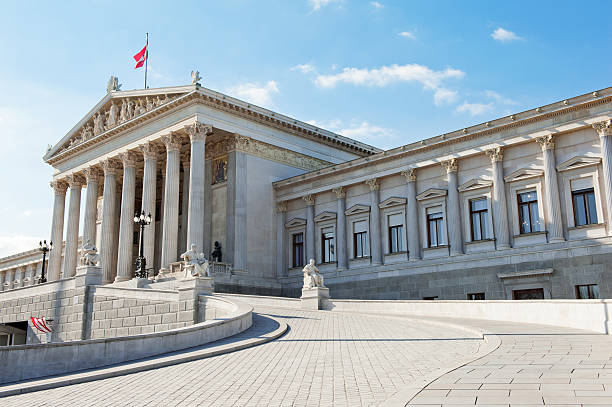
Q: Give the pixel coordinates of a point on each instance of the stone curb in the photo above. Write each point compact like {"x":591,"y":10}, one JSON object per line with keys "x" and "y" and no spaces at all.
{"x":403,"y":397}
{"x":139,"y":366}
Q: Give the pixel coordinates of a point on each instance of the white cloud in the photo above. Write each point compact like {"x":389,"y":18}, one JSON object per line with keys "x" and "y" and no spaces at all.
{"x":504,"y":35}
{"x":408,"y":34}
{"x":385,"y":75}
{"x":303,"y":68}
{"x":499,"y":98}
{"x":363,"y":131}
{"x":255,"y":93}
{"x":474,"y":109}
{"x":16,"y":244}
{"x":444,"y":96}
{"x":318,"y":4}
{"x":377,"y":5}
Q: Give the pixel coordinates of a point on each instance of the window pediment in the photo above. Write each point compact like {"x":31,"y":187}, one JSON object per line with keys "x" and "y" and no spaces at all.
{"x":325,"y":216}
{"x":431,"y":193}
{"x":475,"y":183}
{"x":392,"y":201}
{"x":295,"y":222}
{"x":578,"y":162}
{"x":523,"y":173}
{"x":357,"y":209}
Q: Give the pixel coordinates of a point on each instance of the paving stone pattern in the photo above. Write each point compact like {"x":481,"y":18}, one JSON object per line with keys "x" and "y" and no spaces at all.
{"x":325,"y":359}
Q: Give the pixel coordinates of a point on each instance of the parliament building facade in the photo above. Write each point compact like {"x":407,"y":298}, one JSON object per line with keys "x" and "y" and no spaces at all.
{"x":517,"y":207}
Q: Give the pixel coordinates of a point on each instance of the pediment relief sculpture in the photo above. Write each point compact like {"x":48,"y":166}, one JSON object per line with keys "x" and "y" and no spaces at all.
{"x":475,"y":183}
{"x":578,"y":162}
{"x":523,"y":173}
{"x":431,"y":193}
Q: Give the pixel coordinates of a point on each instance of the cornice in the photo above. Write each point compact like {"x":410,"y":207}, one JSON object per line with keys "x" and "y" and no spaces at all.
{"x":578,"y":103}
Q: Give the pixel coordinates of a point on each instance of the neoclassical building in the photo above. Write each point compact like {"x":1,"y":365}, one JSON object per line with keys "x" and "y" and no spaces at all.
{"x":518,"y":207}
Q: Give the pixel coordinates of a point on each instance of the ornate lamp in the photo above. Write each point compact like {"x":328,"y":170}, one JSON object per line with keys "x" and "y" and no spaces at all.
{"x":141,"y":261}
{"x":44,"y":248}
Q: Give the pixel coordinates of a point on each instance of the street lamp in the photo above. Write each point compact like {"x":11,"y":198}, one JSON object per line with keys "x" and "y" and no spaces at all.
{"x":44,"y":248}
{"x":141,"y":261}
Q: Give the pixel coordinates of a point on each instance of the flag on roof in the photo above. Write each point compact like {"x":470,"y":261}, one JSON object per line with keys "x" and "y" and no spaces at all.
{"x":142,"y":56}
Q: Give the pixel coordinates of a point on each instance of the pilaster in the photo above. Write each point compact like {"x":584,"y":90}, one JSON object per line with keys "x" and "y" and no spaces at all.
{"x":375,"y":238}
{"x":281,"y":252}
{"x":604,"y":130}
{"x":551,"y":188}
{"x":412,"y":216}
{"x":500,"y":211}
{"x":453,"y":211}
{"x":310,"y":227}
{"x":341,"y":252}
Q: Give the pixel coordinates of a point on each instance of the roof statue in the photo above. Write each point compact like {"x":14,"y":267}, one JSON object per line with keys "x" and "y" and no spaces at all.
{"x":113,"y":84}
{"x":195,"y":78}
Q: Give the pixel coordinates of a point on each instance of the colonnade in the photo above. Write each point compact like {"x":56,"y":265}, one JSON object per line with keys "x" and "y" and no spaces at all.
{"x":116,"y":248}
{"x":499,"y":203}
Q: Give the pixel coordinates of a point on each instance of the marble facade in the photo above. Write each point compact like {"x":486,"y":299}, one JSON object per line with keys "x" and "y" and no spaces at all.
{"x":517,"y":206}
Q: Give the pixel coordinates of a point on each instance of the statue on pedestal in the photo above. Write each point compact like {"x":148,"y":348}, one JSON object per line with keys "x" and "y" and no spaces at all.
{"x":216,"y":255}
{"x":89,"y":254}
{"x":195,"y":77}
{"x":312,"y":278}
{"x":195,"y":264}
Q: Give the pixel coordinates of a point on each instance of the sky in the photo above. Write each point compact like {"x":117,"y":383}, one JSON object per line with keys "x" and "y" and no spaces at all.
{"x":383,"y":72}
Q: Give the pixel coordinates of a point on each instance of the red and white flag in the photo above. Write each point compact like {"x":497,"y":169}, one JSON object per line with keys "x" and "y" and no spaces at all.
{"x":142,"y":56}
{"x":42,"y":324}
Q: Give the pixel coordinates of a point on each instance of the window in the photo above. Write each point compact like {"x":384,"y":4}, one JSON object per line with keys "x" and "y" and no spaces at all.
{"x":435,"y":227}
{"x":585,"y":211}
{"x":360,"y":239}
{"x":328,"y":252}
{"x":476,"y":296}
{"x":587,"y":292}
{"x":430,"y":298}
{"x":528,"y":294}
{"x":298,"y":249}
{"x":396,"y":233}
{"x":529,"y":217}
{"x":479,"y":219}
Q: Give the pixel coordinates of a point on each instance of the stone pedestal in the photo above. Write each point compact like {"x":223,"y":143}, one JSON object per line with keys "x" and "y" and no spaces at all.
{"x":85,"y":277}
{"x":137,"y":282}
{"x":88,"y":275}
{"x":314,"y":298}
{"x":189,"y":289}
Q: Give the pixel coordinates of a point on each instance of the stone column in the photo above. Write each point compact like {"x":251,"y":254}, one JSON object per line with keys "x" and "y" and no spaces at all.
{"x":500,"y":211}
{"x":281,"y":252}
{"x":375,"y":236}
{"x":341,"y":255}
{"x":109,"y":213}
{"x":92,"y":176}
{"x":236,"y":214}
{"x":171,"y":200}
{"x":184,"y":204}
{"x":75,"y":182}
{"x":551,"y":186}
{"x":453,"y":212}
{"x":412,"y":216}
{"x":150,"y":153}
{"x":310,"y":227}
{"x":126,"y":225}
{"x":195,"y":222}
{"x":604,"y":129}
{"x":57,"y":230}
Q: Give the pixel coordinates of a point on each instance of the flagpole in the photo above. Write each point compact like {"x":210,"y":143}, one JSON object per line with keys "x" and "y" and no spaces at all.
{"x":146,"y":59}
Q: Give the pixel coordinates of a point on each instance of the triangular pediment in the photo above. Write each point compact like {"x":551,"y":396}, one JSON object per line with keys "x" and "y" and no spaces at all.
{"x":523,"y":173}
{"x":475,"y":183}
{"x":295,"y":222}
{"x":357,"y":209}
{"x":323,"y":216}
{"x":578,"y":162}
{"x":431,"y":193}
{"x":115,"y":110}
{"x":392,"y":201}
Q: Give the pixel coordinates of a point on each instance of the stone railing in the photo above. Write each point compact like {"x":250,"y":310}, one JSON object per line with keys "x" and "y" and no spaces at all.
{"x":223,"y":268}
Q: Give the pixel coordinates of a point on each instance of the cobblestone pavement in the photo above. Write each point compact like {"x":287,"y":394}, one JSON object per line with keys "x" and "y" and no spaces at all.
{"x":534,"y":366}
{"x":325,"y":359}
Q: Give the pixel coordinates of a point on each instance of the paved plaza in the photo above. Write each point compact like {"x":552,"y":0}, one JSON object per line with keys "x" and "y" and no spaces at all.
{"x":343,"y":359}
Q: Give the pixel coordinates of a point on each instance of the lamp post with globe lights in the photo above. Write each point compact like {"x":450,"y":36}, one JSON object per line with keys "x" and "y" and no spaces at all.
{"x":44,"y":248}
{"x":141,"y":261}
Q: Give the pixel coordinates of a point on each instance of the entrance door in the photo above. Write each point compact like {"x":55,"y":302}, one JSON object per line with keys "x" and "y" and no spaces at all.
{"x":529,"y":294}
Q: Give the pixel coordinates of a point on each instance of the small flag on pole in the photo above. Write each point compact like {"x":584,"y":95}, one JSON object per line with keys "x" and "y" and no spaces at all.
{"x":42,"y":324}
{"x":142,"y":56}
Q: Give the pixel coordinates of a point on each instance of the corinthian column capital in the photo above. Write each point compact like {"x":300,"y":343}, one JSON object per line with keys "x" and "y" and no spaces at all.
{"x":281,"y":206}
{"x":128,"y":158}
{"x":198,"y":131}
{"x":546,"y":142}
{"x":172,"y":141}
{"x":149,"y":150}
{"x":603,"y":128}
{"x":59,"y":186}
{"x":450,"y":165}
{"x":373,"y":184}
{"x":340,"y":192}
{"x":91,"y":174}
{"x":410,"y":174}
{"x":495,"y":154}
{"x":309,"y":199}
{"x":111,"y":167}
{"x":75,"y":180}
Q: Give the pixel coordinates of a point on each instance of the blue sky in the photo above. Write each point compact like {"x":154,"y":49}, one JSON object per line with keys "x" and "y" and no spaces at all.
{"x":386,"y":73}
